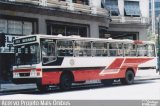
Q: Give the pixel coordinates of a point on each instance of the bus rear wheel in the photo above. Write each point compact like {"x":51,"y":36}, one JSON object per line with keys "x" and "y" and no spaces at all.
{"x":66,"y":81}
{"x":42,"y":88}
{"x":129,"y":78}
{"x":107,"y":82}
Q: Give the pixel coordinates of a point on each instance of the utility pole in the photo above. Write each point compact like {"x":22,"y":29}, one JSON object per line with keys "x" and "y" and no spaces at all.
{"x":158,"y":43}
{"x":153,"y":15}
{"x":0,"y":78}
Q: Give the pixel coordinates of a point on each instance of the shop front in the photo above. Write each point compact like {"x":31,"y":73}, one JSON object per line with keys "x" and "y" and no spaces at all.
{"x":12,"y":27}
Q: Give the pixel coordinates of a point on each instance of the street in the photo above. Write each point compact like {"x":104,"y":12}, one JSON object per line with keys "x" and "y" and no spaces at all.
{"x":140,"y":90}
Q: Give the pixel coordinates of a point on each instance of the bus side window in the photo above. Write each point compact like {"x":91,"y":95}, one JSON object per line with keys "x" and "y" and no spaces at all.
{"x":112,"y":49}
{"x":48,"y":52}
{"x":99,"y":49}
{"x":115,"y":49}
{"x":151,"y":50}
{"x":142,"y":50}
{"x":82,"y":48}
{"x":65,"y":48}
{"x":129,"y":49}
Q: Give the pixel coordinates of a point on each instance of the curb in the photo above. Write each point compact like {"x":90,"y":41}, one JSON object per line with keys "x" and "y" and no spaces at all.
{"x":17,"y":90}
{"x":146,"y":79}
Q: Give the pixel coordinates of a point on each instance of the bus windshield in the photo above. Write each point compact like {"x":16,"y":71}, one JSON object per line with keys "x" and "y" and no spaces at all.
{"x":27,"y":54}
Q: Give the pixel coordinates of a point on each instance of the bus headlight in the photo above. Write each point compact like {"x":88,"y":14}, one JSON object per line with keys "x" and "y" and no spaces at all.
{"x":33,"y":73}
{"x":16,"y":74}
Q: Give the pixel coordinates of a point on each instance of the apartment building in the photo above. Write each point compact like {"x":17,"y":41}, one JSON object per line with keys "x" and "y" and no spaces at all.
{"x":130,"y":18}
{"x":155,"y":15}
{"x":122,"y":19}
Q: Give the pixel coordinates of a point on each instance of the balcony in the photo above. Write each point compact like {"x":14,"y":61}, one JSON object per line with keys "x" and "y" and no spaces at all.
{"x":129,"y":20}
{"x":35,"y":2}
{"x":55,"y":4}
{"x":64,"y":5}
{"x":81,"y":8}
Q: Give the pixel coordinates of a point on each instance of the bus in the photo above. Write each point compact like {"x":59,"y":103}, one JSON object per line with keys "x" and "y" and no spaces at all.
{"x":64,"y":60}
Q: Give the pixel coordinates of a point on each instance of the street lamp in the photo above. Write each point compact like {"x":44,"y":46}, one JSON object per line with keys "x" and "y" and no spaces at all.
{"x":158,"y":42}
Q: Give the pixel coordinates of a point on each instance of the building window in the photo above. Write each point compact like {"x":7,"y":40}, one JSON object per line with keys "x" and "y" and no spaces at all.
{"x":16,"y":27}
{"x":27,"y":28}
{"x":157,"y":4}
{"x":103,"y":32}
{"x":112,"y":5}
{"x":124,"y":35}
{"x":85,"y":2}
{"x":67,"y":29}
{"x":3,"y":25}
{"x":131,"y":8}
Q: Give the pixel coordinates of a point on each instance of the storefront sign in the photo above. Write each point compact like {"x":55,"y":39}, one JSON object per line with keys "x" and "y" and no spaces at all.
{"x":8,"y":45}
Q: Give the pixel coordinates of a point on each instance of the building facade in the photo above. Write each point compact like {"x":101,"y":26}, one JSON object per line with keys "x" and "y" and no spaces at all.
{"x":154,"y":10}
{"x":130,"y":18}
{"x":52,"y":17}
{"x":122,"y":19}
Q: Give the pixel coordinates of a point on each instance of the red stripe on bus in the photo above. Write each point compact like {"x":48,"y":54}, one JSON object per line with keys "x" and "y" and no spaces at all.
{"x":137,"y":60}
{"x":116,"y":63}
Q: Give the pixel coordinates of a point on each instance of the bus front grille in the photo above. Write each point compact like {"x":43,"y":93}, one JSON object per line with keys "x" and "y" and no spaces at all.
{"x":24,"y":74}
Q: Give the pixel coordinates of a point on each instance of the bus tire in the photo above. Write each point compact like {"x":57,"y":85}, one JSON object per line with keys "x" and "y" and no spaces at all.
{"x":129,"y":77}
{"x":107,"y":82}
{"x":42,"y":88}
{"x":66,"y":81}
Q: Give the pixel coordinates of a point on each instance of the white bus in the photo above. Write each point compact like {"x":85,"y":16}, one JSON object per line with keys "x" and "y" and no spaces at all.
{"x":63,"y":60}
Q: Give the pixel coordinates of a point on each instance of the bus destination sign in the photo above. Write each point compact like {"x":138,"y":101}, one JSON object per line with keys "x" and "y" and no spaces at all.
{"x":25,"y":40}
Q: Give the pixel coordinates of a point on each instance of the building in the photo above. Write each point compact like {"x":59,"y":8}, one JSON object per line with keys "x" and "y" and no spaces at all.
{"x":67,"y":17}
{"x":154,"y":14}
{"x":130,"y":18}
{"x":123,"y":19}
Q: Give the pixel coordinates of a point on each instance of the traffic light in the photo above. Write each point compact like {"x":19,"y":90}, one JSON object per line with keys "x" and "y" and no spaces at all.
{"x":2,"y":40}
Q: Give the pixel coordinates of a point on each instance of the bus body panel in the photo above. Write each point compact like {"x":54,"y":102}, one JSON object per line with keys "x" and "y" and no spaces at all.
{"x":51,"y":77}
{"x":114,"y":69}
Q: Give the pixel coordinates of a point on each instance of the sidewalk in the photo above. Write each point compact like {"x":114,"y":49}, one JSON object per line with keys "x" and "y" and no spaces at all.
{"x":10,"y":87}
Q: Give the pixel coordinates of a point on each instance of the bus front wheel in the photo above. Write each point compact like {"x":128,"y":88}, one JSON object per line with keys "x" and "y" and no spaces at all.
{"x":66,"y":81}
{"x":129,"y":78}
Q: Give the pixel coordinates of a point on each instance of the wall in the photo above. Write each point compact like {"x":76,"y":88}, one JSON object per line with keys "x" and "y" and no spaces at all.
{"x":96,"y":3}
{"x":144,"y":6}
{"x":94,"y":25}
{"x":140,"y":28}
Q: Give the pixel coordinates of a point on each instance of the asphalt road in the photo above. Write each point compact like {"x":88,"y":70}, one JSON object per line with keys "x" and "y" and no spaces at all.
{"x":141,"y":90}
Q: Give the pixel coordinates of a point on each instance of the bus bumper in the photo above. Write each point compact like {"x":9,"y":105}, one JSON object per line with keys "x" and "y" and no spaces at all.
{"x":26,"y":80}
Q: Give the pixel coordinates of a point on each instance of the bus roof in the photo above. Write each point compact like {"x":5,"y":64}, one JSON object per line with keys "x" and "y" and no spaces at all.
{"x":76,"y":37}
